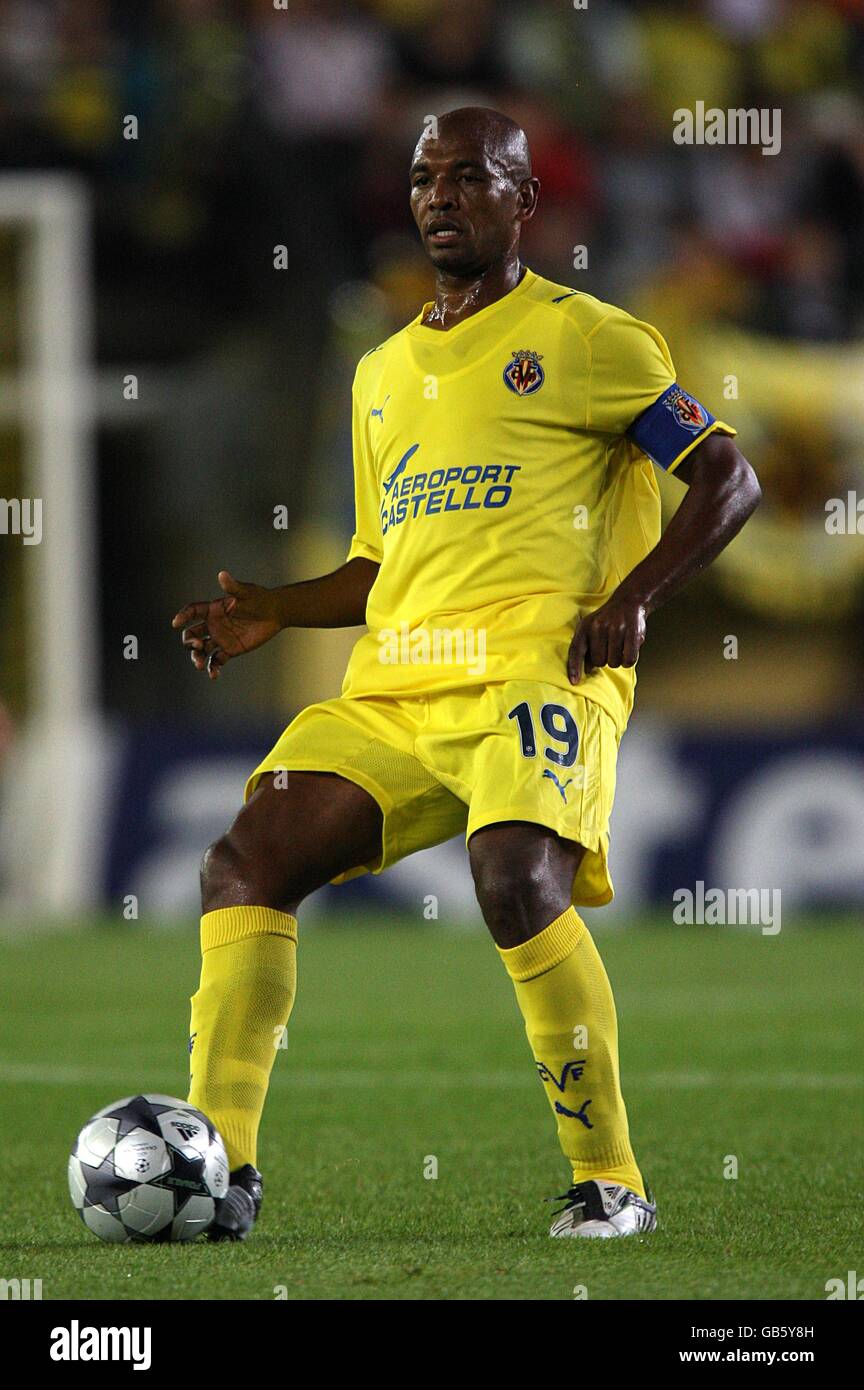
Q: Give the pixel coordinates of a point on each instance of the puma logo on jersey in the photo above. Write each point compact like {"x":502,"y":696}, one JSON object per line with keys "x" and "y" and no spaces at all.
{"x":547,"y":772}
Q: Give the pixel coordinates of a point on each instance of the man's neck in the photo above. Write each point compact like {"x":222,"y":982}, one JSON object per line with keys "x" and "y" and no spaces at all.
{"x":458,"y":297}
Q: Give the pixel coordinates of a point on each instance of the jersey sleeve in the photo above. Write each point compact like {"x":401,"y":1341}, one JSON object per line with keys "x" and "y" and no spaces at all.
{"x":367,"y":540}
{"x":632,"y":391}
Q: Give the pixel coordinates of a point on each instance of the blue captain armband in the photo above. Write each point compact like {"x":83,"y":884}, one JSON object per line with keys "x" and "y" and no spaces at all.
{"x":671,"y":427}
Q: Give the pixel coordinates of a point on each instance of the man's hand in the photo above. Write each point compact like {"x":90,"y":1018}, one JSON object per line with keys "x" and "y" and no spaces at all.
{"x":249,"y":615}
{"x":218,"y":629}
{"x":611,"y":636}
{"x":722,"y":492}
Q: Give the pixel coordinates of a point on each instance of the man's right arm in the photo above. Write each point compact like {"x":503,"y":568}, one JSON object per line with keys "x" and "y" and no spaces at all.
{"x":335,"y":600}
{"x":214,"y":631}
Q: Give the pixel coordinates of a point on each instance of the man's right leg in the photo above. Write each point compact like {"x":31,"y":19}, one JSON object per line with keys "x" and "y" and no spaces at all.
{"x":287,"y":841}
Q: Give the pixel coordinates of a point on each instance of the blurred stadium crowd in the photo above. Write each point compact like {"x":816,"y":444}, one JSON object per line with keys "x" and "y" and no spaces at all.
{"x":263,"y":124}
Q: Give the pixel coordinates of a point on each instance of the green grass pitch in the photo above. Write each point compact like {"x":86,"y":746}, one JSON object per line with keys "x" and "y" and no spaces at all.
{"x":405,"y":1043}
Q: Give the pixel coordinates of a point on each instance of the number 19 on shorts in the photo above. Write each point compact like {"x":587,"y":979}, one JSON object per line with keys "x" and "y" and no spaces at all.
{"x":557,"y":722}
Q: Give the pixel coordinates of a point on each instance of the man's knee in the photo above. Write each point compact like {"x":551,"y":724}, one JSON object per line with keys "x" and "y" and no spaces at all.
{"x":508,"y":888}
{"x":523,"y":881}
{"x":218,"y":867}
{"x":289,"y":841}
{"x":232,"y":876}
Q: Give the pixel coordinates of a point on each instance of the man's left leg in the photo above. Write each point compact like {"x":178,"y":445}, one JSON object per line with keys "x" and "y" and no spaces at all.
{"x":523,"y":875}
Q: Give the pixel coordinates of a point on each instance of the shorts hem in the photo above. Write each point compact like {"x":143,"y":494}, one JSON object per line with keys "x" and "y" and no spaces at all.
{"x":592,"y":843}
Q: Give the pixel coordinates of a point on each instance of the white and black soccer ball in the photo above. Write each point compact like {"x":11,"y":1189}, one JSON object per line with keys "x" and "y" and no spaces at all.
{"x":148,"y":1168}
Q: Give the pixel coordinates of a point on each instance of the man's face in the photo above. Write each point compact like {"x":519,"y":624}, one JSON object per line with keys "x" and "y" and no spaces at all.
{"x":467,"y":207}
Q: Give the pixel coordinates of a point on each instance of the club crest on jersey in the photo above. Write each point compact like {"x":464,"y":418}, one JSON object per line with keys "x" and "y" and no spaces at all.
{"x":524,"y":375}
{"x":688,"y":412}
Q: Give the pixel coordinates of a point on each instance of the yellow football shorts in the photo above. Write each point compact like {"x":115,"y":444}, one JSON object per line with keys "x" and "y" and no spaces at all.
{"x":455,"y":761}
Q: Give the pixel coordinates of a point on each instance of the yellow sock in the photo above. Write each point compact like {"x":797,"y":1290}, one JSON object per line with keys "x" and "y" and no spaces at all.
{"x":564,"y":994}
{"x":248,"y":982}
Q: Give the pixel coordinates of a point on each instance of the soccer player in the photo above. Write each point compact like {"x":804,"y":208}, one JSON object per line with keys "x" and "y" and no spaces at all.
{"x":506,"y":558}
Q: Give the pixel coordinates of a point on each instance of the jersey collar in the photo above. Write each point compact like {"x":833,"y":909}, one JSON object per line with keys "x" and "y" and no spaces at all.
{"x":446,"y":335}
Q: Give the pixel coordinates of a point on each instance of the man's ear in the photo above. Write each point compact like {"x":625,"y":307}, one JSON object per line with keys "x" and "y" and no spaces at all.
{"x":529,"y":192}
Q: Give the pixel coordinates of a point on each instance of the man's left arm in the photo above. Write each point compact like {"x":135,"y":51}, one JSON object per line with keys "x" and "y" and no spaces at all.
{"x":722,"y":492}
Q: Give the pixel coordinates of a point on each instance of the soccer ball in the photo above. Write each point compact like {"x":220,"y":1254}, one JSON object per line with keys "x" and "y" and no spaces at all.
{"x":147,"y":1168}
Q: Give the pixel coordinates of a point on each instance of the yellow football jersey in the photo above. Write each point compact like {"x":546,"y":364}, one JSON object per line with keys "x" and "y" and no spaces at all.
{"x":503,"y":481}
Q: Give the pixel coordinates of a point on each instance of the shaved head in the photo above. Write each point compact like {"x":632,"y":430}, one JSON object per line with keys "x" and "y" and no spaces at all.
{"x":504,"y":142}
